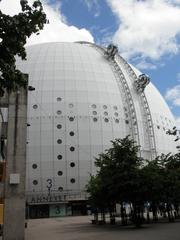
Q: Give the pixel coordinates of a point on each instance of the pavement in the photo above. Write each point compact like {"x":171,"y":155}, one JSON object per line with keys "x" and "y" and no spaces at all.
{"x":80,"y":228}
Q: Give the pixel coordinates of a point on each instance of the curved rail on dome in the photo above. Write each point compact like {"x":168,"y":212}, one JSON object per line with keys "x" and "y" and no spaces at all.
{"x":84,"y":42}
{"x":122,"y":80}
{"x":152,"y":141}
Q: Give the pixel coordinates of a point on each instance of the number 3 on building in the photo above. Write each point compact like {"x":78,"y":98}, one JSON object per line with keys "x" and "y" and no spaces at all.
{"x":49,"y":181}
{"x":58,"y":210}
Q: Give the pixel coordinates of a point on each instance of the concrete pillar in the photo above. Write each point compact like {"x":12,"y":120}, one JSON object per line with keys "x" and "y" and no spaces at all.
{"x":14,"y":192}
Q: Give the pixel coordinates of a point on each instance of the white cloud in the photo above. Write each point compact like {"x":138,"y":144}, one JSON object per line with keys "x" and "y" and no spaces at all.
{"x":146,"y":65}
{"x":173,"y":95}
{"x":93,"y":5}
{"x":149,"y":28}
{"x":175,"y":2}
{"x":56,"y":30}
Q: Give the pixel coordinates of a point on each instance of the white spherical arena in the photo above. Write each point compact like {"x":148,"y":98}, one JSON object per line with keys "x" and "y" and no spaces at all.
{"x":82,"y":100}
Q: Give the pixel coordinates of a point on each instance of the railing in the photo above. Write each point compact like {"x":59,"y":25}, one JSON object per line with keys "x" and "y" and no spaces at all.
{"x":122,"y":84}
{"x":148,"y":120}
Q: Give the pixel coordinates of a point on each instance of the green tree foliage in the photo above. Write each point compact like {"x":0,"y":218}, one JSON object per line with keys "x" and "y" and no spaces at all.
{"x":118,"y":168}
{"x":124,"y":177}
{"x":171,"y":181}
{"x":118,"y":176}
{"x":14,"y":30}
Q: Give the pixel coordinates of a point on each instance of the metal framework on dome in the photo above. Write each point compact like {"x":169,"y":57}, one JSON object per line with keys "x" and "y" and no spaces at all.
{"x":142,"y":81}
{"x":145,"y":108}
{"x":111,"y":51}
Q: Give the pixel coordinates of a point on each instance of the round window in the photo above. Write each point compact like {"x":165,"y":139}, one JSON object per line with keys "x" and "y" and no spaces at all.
{"x":116,"y":114}
{"x":35,"y":182}
{"x":72,"y":149}
{"x":95,"y":119}
{"x":58,"y":112}
{"x":127,"y":121}
{"x":59,"y":141}
{"x":59,"y":99}
{"x":59,"y":126}
{"x":106,"y":120}
{"x":59,"y":157}
{"x":93,"y":106}
{"x":94,"y":113}
{"x":117,"y":120}
{"x":105,"y":106}
{"x":71,"y":119}
{"x":105,"y":113}
{"x":34,"y":166}
{"x":115,"y":108}
{"x":71,"y":133}
{"x":72,"y":180}
{"x":35,"y":106}
{"x":60,"y":189}
{"x":72,"y":164}
{"x":60,"y":173}
{"x":71,"y":105}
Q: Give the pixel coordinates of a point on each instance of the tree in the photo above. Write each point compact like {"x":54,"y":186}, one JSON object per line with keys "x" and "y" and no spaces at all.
{"x":118,"y":177}
{"x":98,"y":197}
{"x":14,"y":30}
{"x":161,"y":178}
{"x":123,"y":177}
{"x":153,"y":176}
{"x":171,"y":183}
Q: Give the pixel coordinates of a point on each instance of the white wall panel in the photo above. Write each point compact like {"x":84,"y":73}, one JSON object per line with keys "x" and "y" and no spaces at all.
{"x":76,"y":80}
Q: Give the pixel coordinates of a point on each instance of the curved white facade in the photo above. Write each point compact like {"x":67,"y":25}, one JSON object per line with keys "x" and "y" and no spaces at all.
{"x":81,"y":102}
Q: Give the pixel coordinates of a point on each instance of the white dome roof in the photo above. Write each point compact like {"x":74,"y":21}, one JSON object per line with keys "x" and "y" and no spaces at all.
{"x":81,"y":102}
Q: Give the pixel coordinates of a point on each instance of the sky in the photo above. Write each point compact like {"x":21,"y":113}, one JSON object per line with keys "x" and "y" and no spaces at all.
{"x":147,"y":33}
